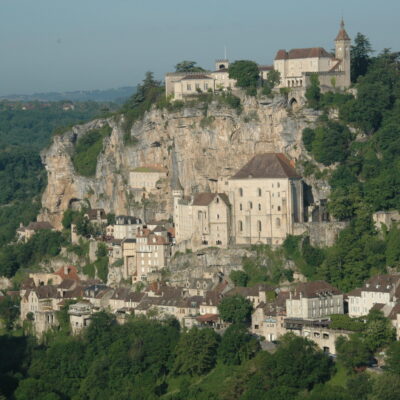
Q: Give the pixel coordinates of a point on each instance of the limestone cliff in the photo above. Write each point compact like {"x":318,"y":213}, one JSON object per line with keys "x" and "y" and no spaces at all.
{"x":208,"y":144}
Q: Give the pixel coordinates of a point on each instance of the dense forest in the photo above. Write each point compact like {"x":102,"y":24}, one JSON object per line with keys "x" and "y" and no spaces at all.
{"x":25,"y":128}
{"x":146,"y":359}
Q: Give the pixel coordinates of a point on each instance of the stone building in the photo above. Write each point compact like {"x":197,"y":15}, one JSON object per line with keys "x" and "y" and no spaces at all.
{"x":147,"y":177}
{"x":153,"y":251}
{"x":297,"y":65}
{"x":181,"y":85}
{"x":267,"y":199}
{"x":203,"y":219}
{"x":125,"y":227}
{"x":380,"y":289}
{"x":24,"y":233}
{"x":314,"y":300}
{"x":387,"y":218}
{"x":80,"y":315}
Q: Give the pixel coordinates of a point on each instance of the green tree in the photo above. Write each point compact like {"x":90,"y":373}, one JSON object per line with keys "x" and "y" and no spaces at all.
{"x":393,"y":248}
{"x":239,"y":278}
{"x":385,"y":387}
{"x":188,"y":66}
{"x":360,"y":56}
{"x":9,"y":311}
{"x":237,"y":345}
{"x":313,"y":92}
{"x":246,"y":73}
{"x":273,"y":79}
{"x":393,"y":358}
{"x":308,"y":137}
{"x":196,"y":352}
{"x":379,"y":331}
{"x":235,"y":309}
{"x":353,"y":352}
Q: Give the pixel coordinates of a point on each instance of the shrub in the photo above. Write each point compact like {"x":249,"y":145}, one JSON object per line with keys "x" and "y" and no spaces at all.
{"x":87,"y":149}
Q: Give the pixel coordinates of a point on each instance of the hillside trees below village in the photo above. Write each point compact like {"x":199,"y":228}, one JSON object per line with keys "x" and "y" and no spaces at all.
{"x":365,"y":179}
{"x":25,"y":128}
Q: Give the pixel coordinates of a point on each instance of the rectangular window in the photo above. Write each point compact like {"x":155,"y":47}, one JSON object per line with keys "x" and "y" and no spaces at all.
{"x":189,"y":87}
{"x":205,"y":86}
{"x":197,"y":85}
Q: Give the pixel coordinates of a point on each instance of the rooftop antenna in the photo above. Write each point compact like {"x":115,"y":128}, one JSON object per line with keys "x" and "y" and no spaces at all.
{"x":225,"y":53}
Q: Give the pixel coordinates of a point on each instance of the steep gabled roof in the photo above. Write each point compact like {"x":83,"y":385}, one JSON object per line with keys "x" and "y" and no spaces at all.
{"x":342,"y":35}
{"x":309,"y":52}
{"x":205,"y":198}
{"x":268,"y":165}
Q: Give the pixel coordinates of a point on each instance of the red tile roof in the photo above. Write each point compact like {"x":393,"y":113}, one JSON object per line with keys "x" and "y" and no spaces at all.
{"x":68,"y":272}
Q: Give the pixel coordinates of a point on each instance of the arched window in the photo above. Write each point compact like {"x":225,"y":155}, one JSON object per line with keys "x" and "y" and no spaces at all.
{"x":217,"y":216}
{"x":240,"y":207}
{"x":250,"y":205}
{"x":279,"y":208}
{"x":278,"y":184}
{"x":278,"y":222}
{"x":240,"y":226}
{"x":259,"y":207}
{"x":259,"y":226}
{"x":217,"y":199}
{"x":240,"y":192}
{"x":259,"y":192}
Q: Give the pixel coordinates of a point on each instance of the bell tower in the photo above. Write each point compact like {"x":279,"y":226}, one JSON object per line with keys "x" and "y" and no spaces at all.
{"x":342,"y":53}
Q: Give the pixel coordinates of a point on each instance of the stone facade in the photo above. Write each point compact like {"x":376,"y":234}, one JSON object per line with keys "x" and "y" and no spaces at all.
{"x":314,"y":300}
{"x":146,"y":177}
{"x":267,"y":199}
{"x":381,"y":289}
{"x":297,"y":65}
{"x":204,"y":219}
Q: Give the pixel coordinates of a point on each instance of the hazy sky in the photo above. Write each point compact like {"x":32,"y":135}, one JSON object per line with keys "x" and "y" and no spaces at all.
{"x":54,"y":45}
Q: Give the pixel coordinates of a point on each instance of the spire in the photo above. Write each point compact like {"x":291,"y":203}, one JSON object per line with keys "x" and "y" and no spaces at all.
{"x":342,"y":35}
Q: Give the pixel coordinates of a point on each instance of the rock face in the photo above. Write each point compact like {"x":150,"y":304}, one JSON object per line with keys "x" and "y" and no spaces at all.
{"x":206,"y":144}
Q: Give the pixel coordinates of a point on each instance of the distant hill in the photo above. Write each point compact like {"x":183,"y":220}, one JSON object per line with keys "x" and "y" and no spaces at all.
{"x":114,"y":95}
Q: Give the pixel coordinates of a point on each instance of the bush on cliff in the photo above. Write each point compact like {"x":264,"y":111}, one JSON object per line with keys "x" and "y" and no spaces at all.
{"x":87,"y":150}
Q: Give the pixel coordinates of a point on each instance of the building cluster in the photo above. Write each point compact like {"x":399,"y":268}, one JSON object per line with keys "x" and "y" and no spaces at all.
{"x":294,"y":66}
{"x":301,"y":308}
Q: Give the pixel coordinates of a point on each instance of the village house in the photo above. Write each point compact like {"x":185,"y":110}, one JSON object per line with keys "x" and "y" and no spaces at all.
{"x":181,"y":85}
{"x":125,"y":227}
{"x":80,"y":315}
{"x":380,"y":289}
{"x":153,"y":251}
{"x":268,"y":317}
{"x":267,"y":200}
{"x":314,"y":300}
{"x":96,"y":216}
{"x":24,"y":233}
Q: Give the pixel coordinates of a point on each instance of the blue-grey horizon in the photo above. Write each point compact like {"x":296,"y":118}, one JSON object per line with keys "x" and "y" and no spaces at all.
{"x":54,"y":45}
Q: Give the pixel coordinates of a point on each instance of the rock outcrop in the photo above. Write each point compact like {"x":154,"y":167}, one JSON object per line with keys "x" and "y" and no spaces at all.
{"x":208,"y":144}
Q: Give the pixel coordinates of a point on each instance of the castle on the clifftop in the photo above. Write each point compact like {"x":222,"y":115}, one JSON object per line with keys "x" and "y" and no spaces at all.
{"x":295,"y":67}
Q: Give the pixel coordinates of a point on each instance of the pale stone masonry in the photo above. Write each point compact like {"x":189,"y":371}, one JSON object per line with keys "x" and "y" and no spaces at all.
{"x":381,"y":289}
{"x":314,"y":300}
{"x":203,"y":219}
{"x":267,"y":199}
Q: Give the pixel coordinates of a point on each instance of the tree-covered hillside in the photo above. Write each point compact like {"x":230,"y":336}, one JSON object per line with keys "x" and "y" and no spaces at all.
{"x":25,"y":128}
